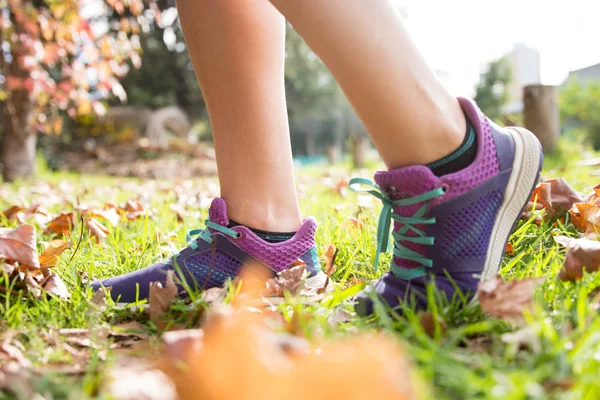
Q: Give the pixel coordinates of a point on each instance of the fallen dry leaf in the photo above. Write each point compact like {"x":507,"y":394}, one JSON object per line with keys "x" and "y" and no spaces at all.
{"x":329,"y":256}
{"x":356,"y":223}
{"x":586,"y":217}
{"x":96,"y":229}
{"x":32,"y":285}
{"x":99,"y":297}
{"x":11,"y":212}
{"x":582,"y":255}
{"x":527,"y":337}
{"x":430,"y":325}
{"x":510,"y":249}
{"x":61,"y":224}
{"x":109,"y":215}
{"x":289,"y":280}
{"x":49,"y":258}
{"x":135,"y":380}
{"x":13,"y":350}
{"x":507,"y":300}
{"x":556,"y":196}
{"x":134,"y":209}
{"x":265,"y":366}
{"x":19,"y":245}
{"x":55,"y":286}
{"x":160,"y":299}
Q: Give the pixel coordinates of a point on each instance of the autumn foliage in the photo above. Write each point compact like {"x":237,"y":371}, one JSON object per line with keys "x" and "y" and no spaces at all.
{"x":64,"y":57}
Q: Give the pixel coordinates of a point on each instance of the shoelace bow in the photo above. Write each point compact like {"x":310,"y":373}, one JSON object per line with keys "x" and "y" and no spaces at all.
{"x":206,"y":234}
{"x":407,"y":224}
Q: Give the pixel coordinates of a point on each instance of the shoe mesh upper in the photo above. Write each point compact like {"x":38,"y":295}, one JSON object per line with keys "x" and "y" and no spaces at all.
{"x":224,"y":267}
{"x":466,"y":233}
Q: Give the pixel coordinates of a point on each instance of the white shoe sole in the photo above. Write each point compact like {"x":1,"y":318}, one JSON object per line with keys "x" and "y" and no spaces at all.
{"x":522,"y":179}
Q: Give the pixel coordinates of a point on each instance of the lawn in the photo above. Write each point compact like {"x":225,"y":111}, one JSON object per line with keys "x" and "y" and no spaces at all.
{"x":555,"y":352}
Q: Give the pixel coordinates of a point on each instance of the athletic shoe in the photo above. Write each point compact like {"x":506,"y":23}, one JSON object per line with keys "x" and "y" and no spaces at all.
{"x":452,"y":229}
{"x":217,"y":253}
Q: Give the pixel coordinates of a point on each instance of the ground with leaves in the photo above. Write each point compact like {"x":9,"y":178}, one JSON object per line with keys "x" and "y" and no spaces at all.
{"x":538,"y":335}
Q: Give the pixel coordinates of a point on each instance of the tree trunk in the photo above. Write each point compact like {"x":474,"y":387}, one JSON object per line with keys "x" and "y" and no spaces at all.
{"x":541,"y":114}
{"x":17,"y":145}
{"x":360,"y":145}
{"x":17,"y":153}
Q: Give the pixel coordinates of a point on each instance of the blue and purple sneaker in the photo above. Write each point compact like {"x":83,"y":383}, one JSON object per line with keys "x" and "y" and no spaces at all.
{"x":451,"y":229}
{"x":217,"y":253}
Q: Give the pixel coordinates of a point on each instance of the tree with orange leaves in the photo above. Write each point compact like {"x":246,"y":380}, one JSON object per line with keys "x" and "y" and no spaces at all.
{"x":57,"y":58}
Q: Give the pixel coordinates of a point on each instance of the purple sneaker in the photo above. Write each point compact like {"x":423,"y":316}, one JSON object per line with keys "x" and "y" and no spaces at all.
{"x":456,"y":225}
{"x":216,"y":254}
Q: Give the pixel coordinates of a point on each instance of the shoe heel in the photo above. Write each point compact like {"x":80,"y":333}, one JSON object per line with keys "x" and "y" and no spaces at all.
{"x":525,"y":174}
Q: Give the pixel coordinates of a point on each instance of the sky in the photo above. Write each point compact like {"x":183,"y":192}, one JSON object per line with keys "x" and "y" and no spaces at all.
{"x":459,"y":37}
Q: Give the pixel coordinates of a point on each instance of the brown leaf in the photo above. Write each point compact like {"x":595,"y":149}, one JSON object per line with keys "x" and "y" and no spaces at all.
{"x":49,"y":258}
{"x":356,"y":223}
{"x":14,"y":352}
{"x":430,"y":325}
{"x":55,"y":286}
{"x":507,"y":300}
{"x":510,"y":249}
{"x":582,"y":254}
{"x":109,"y":215}
{"x":96,"y":229}
{"x":160,"y":299}
{"x":329,"y":256}
{"x":19,"y":245}
{"x":60,"y":225}
{"x":527,"y":337}
{"x":586,"y":216}
{"x":11,"y":212}
{"x":289,"y":280}
{"x":32,"y":285}
{"x":556,"y":195}
{"x":128,"y":335}
{"x":99,"y":297}
{"x":134,"y":209}
{"x":360,"y":367}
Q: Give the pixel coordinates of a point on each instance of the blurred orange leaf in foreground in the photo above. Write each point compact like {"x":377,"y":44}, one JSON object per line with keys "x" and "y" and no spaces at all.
{"x":238,"y":356}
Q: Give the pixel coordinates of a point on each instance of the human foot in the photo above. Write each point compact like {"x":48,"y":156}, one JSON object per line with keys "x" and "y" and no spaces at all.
{"x":233,"y":247}
{"x":456,"y":225}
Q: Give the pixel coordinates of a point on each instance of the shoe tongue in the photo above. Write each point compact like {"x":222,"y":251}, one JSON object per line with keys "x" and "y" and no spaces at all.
{"x":406,"y":182}
{"x":218,"y":212}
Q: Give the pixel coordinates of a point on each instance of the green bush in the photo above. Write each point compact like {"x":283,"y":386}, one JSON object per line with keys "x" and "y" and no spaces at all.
{"x":580,"y":109}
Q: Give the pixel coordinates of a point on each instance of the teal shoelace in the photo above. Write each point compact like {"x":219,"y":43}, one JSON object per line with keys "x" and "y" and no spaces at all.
{"x":206,"y":235}
{"x":407,"y":224}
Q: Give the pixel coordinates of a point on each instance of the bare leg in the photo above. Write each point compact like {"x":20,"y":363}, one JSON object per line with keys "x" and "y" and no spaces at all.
{"x":237,"y":48}
{"x":410,"y":116}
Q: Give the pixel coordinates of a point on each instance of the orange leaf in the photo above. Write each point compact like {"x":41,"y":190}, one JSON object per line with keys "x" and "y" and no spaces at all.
{"x":109,"y":215}
{"x":96,"y":229}
{"x":55,"y":286}
{"x":60,"y":225}
{"x":356,"y":223}
{"x":507,"y":300}
{"x":510,"y":249}
{"x":555,"y":195}
{"x":582,"y":255}
{"x":267,"y":365}
{"x":288,"y":280}
{"x":586,"y":217}
{"x":19,"y":245}
{"x":49,"y":258}
{"x":160,"y":299}
{"x":11,"y":212}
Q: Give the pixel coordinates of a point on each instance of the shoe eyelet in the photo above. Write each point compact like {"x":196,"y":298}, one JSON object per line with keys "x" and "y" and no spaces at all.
{"x":240,"y":235}
{"x":445,"y":187}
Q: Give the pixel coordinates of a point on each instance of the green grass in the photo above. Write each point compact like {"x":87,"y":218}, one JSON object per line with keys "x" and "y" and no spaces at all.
{"x":468,"y":360}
